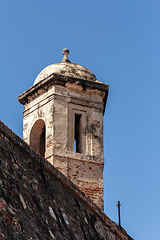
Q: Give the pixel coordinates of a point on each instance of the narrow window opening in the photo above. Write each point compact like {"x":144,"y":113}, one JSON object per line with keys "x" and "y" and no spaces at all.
{"x":78,"y":134}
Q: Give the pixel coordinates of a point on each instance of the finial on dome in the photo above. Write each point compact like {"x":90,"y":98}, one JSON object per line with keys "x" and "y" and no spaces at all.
{"x":65,"y":53}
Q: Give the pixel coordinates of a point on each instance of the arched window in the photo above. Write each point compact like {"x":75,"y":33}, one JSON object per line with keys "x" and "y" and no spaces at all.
{"x":38,"y":137}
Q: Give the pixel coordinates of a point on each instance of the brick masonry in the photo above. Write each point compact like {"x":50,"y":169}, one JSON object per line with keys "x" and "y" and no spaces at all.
{"x":39,"y":202}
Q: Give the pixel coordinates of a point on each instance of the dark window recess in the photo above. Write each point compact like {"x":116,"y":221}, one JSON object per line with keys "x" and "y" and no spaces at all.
{"x":42,"y":142}
{"x":78,"y":133}
{"x":38,"y":138}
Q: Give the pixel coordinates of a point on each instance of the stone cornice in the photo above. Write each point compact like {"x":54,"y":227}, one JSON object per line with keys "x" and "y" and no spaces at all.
{"x":55,"y":79}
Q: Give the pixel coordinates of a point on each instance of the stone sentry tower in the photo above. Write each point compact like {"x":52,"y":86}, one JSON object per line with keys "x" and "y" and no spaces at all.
{"x":63,"y":121}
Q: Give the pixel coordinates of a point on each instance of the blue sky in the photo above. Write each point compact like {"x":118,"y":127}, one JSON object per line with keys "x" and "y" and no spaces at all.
{"x":119,"y":41}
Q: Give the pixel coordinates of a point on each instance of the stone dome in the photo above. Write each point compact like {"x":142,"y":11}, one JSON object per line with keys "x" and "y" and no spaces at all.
{"x":66,"y":68}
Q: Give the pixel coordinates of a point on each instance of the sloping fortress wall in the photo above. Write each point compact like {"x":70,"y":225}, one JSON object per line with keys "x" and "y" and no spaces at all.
{"x":38,"y":202}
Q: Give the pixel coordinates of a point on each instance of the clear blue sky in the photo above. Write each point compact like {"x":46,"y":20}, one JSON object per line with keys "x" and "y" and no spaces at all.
{"x":119,"y":41}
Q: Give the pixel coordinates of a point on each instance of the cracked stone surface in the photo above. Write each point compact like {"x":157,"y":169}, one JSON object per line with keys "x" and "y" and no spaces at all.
{"x":39,"y":202}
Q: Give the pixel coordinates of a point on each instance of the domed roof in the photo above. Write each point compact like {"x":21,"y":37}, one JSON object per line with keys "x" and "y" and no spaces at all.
{"x":66,"y":68}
